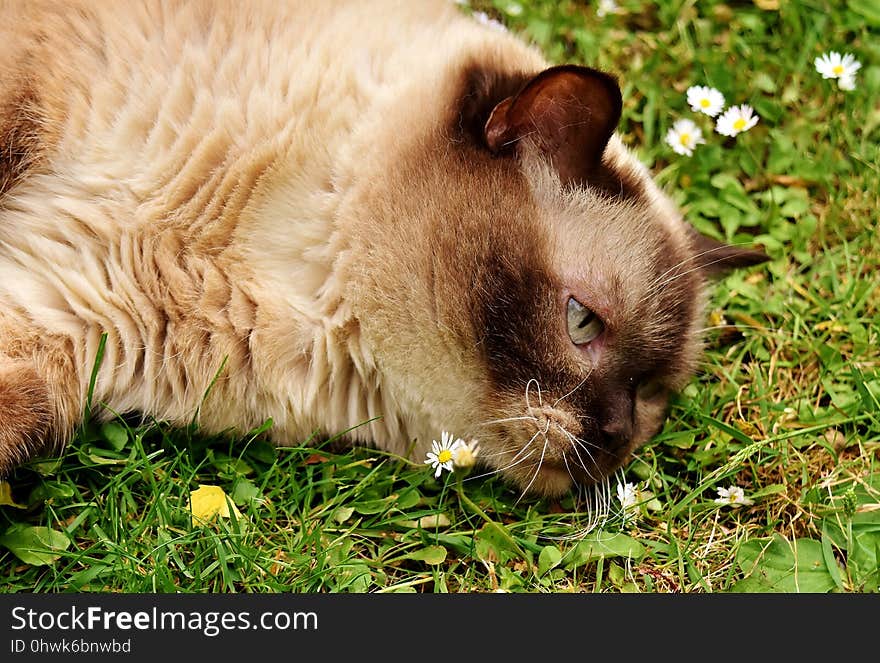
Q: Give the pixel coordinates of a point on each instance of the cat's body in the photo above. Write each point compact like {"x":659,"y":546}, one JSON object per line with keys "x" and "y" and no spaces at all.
{"x":318,"y":198}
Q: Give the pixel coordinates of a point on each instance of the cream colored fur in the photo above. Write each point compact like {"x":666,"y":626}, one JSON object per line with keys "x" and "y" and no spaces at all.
{"x":207,"y":201}
{"x":195,"y":217}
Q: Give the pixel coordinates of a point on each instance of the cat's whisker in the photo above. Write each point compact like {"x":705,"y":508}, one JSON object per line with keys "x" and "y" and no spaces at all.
{"x":677,"y":276}
{"x":568,"y":470}
{"x":658,"y":282}
{"x":528,"y":385}
{"x":598,"y":508}
{"x":500,"y":469}
{"x":703,"y":330}
{"x":597,"y":501}
{"x":525,"y":447}
{"x":535,"y":475}
{"x":580,"y":384}
{"x":654,"y":289}
{"x":580,"y":460}
{"x":507,"y":420}
{"x":507,"y":452}
{"x":584,"y":443}
{"x":575,"y":444}
{"x":691,"y":258}
{"x":546,"y":428}
{"x":496,"y":454}
{"x":774,"y":330}
{"x":603,"y":500}
{"x":661,"y":281}
{"x":540,"y":397}
{"x":572,"y":440}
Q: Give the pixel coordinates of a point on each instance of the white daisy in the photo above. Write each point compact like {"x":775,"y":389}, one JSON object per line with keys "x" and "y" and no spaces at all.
{"x":704,"y":99}
{"x":833,"y":65}
{"x":465,"y":453}
{"x":442,"y":454}
{"x":514,"y":9}
{"x":733,"y":496}
{"x":847,"y":82}
{"x":684,"y":136}
{"x":606,"y":7}
{"x":736,"y":119}
{"x":627,"y":495}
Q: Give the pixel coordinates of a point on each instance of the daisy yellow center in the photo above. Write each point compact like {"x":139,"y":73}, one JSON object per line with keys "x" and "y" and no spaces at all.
{"x":739,"y":124}
{"x":444,"y":456}
{"x":837,"y":69}
{"x":685,"y":138}
{"x":705,"y":103}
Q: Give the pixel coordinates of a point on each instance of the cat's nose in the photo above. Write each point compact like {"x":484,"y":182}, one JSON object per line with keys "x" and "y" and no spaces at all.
{"x":620,"y":428}
{"x":619,"y":418}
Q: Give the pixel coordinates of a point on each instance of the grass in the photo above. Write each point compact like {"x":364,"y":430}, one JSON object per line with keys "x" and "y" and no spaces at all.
{"x":787,"y":404}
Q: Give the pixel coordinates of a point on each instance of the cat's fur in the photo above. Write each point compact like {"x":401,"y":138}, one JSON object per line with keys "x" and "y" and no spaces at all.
{"x":371,"y":212}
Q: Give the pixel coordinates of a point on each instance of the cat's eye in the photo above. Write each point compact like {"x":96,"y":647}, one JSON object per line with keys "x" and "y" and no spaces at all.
{"x":583,"y":325}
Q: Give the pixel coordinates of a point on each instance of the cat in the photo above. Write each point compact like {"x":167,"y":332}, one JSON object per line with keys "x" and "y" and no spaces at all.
{"x":382,"y":218}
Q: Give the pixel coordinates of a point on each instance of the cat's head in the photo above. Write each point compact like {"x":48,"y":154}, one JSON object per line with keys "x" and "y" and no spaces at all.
{"x":534,"y":288}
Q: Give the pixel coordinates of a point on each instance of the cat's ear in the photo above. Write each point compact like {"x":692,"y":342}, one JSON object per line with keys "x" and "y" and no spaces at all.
{"x":569,"y":111}
{"x":717,"y":258}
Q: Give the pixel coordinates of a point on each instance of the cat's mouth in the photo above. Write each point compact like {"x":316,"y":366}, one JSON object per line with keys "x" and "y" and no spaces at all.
{"x":548,"y":452}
